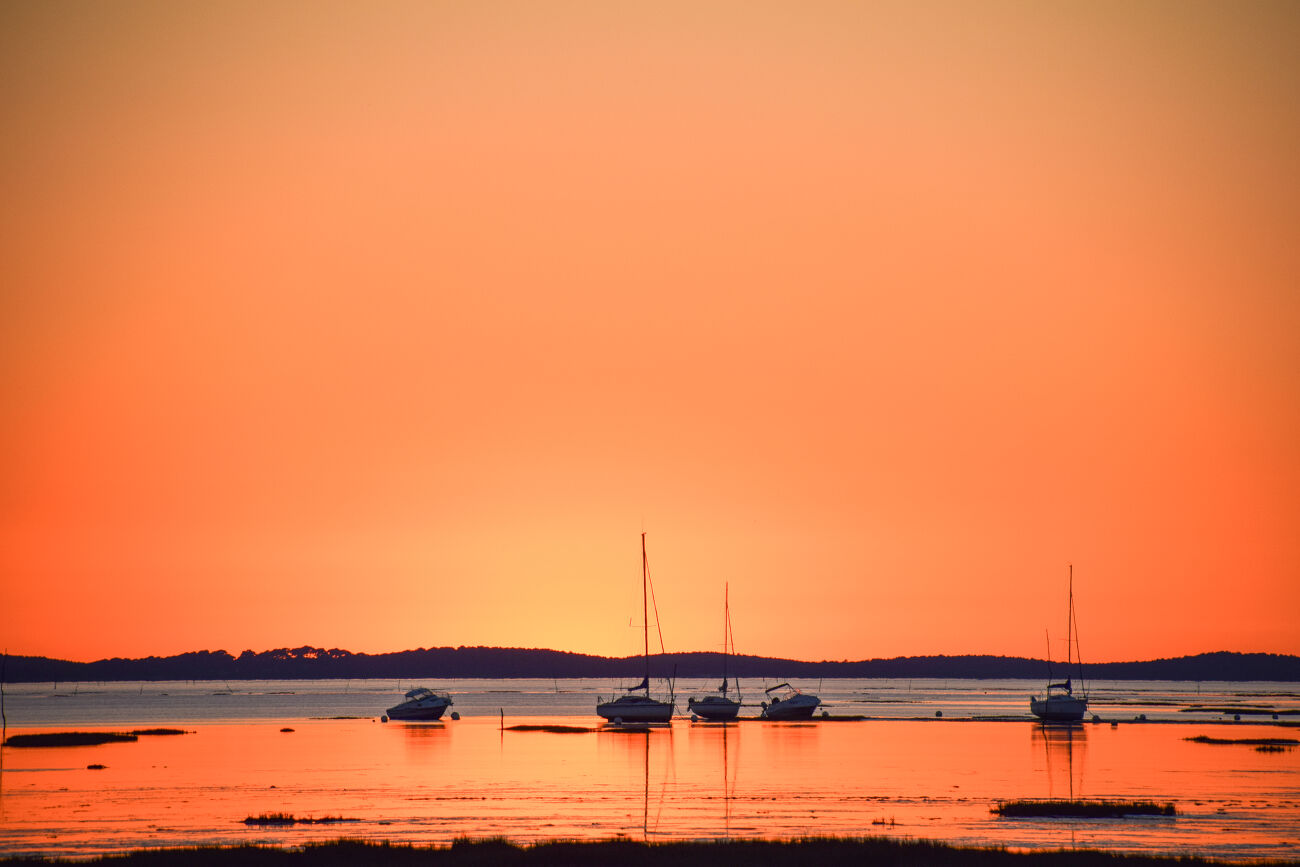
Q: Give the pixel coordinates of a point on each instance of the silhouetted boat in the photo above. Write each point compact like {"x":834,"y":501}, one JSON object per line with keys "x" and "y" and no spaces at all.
{"x":421,"y":704}
{"x":1058,"y":703}
{"x":633,"y":707}
{"x":719,"y":707}
{"x":791,"y":704}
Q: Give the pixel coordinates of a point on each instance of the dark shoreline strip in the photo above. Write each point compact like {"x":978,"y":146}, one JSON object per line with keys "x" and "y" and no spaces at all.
{"x":824,"y":852}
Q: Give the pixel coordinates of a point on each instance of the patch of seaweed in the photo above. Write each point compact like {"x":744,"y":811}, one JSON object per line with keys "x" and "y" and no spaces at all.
{"x":290,"y":819}
{"x":554,"y":729}
{"x":1246,"y":710}
{"x":1082,"y":809}
{"x":68,"y":739}
{"x":151,"y":732}
{"x":1249,"y":742}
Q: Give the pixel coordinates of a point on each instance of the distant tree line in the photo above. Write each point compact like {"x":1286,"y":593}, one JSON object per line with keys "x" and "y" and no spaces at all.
{"x":315,"y":662}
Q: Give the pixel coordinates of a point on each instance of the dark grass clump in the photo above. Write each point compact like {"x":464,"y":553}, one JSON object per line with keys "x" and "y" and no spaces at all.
{"x":1244,"y":711}
{"x":1273,"y":748}
{"x":559,"y":730}
{"x":1082,"y":809}
{"x":290,"y":819}
{"x":68,"y":739}
{"x":151,"y":732}
{"x":1250,"y":742}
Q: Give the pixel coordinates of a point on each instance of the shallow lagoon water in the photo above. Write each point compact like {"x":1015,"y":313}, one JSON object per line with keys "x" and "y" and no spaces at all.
{"x":902,"y":772}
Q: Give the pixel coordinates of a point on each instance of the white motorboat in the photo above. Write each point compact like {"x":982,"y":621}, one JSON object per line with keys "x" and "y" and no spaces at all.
{"x":718,"y":706}
{"x":1058,"y":703}
{"x":789,"y":703}
{"x":634,"y":707}
{"x":421,"y":704}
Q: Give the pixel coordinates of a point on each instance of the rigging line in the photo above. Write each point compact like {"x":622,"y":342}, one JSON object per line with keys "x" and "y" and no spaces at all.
{"x":658,"y":626}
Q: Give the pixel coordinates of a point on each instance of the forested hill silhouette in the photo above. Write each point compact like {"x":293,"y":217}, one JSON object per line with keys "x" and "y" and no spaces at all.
{"x":449,"y":662}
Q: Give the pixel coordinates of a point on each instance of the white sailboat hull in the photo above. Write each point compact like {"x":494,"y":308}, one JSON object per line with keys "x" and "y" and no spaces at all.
{"x":636,"y":709}
{"x":1058,"y":708}
{"x":716,"y":708}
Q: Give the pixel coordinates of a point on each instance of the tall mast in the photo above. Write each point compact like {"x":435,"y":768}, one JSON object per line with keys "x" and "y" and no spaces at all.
{"x":1069,"y":619}
{"x":645,"y":615}
{"x":726,"y":625}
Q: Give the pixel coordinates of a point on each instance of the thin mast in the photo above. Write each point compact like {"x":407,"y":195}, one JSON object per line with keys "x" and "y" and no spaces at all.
{"x":645,"y":614}
{"x":726,"y":623}
{"x":1069,"y":617}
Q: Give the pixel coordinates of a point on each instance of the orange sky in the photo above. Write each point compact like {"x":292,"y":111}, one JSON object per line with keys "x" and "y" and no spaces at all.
{"x":393,"y":324}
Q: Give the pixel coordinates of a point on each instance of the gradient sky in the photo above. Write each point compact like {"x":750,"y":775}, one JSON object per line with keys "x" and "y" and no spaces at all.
{"x":392,"y":325}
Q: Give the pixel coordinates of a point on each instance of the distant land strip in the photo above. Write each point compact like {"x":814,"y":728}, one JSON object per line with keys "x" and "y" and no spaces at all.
{"x":501,"y":662}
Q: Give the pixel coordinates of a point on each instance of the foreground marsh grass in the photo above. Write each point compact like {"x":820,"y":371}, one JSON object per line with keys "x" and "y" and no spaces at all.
{"x":823,"y":852}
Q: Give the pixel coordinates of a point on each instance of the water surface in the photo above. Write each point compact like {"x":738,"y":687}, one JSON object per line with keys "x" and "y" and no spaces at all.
{"x":903,"y":772}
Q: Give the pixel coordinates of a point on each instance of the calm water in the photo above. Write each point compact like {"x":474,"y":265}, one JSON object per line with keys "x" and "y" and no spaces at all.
{"x":902,"y":772}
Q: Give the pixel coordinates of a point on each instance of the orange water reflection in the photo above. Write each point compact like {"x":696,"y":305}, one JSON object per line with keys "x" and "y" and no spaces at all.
{"x":434,"y":783}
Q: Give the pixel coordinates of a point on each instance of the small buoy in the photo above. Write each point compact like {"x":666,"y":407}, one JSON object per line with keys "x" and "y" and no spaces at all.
{"x":1142,"y":717}
{"x":1274,"y":716}
{"x":1237,"y":717}
{"x":826,"y":714}
{"x":694,"y":718}
{"x":1114,"y":724}
{"x":1096,"y":718}
{"x":618,"y":720}
{"x":384,"y":718}
{"x":455,"y":715}
{"x":938,"y":713}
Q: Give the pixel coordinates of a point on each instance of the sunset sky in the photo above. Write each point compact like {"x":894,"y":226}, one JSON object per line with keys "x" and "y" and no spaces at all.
{"x":392,"y":325}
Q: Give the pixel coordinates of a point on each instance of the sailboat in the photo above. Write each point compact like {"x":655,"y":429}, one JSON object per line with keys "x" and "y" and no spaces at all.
{"x":719,"y":707}
{"x":636,"y":706}
{"x":1058,"y":703}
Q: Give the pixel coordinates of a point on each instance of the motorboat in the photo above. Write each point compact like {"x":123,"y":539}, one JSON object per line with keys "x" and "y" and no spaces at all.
{"x":421,"y":704}
{"x":636,"y":706}
{"x":1058,"y":703}
{"x":788,"y":703}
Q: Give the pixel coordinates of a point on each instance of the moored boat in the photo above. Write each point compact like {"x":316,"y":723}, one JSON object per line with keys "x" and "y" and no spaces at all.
{"x":1058,"y":703}
{"x":633,"y":707}
{"x":718,"y":706}
{"x":789,"y":704}
{"x":421,"y":704}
